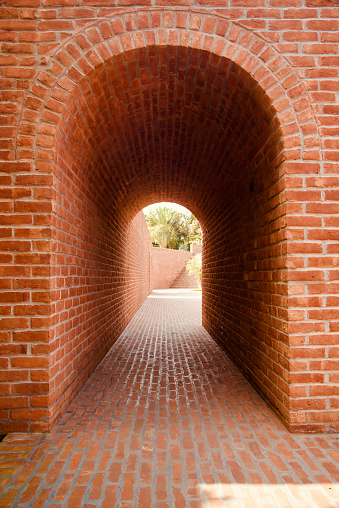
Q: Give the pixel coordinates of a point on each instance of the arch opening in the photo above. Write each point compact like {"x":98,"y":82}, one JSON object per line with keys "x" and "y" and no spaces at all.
{"x":168,"y":123}
{"x":176,"y":256}
{"x":172,"y":226}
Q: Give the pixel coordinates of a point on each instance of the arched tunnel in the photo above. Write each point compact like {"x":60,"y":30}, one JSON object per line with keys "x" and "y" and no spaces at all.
{"x":168,"y":123}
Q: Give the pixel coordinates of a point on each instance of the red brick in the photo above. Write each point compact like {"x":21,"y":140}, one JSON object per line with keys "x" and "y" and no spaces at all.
{"x":202,"y":100}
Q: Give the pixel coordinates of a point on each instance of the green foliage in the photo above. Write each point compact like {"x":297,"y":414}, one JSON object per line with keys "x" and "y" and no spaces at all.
{"x":194,"y":266}
{"x":191,"y":230}
{"x":170,"y":229}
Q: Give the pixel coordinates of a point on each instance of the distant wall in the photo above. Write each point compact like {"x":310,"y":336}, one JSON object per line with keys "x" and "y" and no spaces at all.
{"x":166,"y":264}
{"x":195,"y":248}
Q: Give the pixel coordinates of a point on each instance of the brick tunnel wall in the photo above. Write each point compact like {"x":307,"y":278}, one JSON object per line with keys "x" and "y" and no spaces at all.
{"x":228,"y":108}
{"x":101,"y":270}
{"x":244,"y":280}
{"x":99,"y":281}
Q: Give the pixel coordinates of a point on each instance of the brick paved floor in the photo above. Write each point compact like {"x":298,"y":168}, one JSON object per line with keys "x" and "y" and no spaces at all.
{"x":167,"y":421}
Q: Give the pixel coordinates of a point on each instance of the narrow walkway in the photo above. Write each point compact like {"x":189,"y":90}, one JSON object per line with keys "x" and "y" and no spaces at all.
{"x":167,"y":421}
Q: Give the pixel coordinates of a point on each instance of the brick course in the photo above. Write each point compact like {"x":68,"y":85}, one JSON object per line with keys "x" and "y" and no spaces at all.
{"x":230,"y":109}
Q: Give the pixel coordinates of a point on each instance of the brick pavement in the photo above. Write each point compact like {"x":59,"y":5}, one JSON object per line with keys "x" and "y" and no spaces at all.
{"x":167,"y":421}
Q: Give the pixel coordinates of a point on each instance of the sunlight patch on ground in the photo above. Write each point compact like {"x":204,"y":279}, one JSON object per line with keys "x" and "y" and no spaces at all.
{"x":288,"y":495}
{"x":175,"y":293}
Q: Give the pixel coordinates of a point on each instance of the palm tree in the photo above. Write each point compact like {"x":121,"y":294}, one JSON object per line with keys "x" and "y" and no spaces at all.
{"x":164,"y":225}
{"x":190,"y":229}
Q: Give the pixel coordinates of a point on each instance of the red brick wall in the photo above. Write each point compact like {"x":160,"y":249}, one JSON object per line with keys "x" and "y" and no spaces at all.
{"x":229,"y":108}
{"x":247,"y":273}
{"x":166,"y":266}
{"x":99,"y":280}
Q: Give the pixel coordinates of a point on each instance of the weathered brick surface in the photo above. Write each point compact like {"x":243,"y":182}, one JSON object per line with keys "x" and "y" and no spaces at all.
{"x":231,"y":109}
{"x":168,"y":421}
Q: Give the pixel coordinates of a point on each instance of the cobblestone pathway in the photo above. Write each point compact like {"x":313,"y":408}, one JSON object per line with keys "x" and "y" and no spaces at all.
{"x":167,"y":421}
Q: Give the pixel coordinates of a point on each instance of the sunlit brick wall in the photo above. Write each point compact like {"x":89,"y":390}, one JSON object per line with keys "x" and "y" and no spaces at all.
{"x":167,"y":265}
{"x":230,"y":109}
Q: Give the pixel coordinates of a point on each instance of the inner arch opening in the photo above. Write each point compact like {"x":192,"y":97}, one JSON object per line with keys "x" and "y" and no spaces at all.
{"x":182,"y":125}
{"x":176,"y":256}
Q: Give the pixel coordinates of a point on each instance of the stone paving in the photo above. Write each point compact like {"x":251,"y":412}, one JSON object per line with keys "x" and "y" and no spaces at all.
{"x":166,"y":420}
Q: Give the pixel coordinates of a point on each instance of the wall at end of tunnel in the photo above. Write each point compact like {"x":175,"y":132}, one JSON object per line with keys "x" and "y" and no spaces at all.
{"x":167,"y":265}
{"x":195,"y":248}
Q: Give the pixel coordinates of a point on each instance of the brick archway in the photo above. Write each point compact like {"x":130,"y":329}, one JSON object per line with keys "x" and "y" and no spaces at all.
{"x":99,"y":42}
{"x":95,"y":133}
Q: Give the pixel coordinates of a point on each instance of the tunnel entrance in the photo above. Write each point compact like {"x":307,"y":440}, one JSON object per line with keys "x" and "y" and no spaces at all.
{"x":196,"y":113}
{"x":171,"y":123}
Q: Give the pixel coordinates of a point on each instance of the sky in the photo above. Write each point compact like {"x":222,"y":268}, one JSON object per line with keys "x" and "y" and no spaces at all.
{"x":174,"y":206}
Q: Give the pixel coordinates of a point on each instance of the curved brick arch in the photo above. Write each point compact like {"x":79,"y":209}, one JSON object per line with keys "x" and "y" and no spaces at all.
{"x":257,"y":294}
{"x":129,"y":30}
